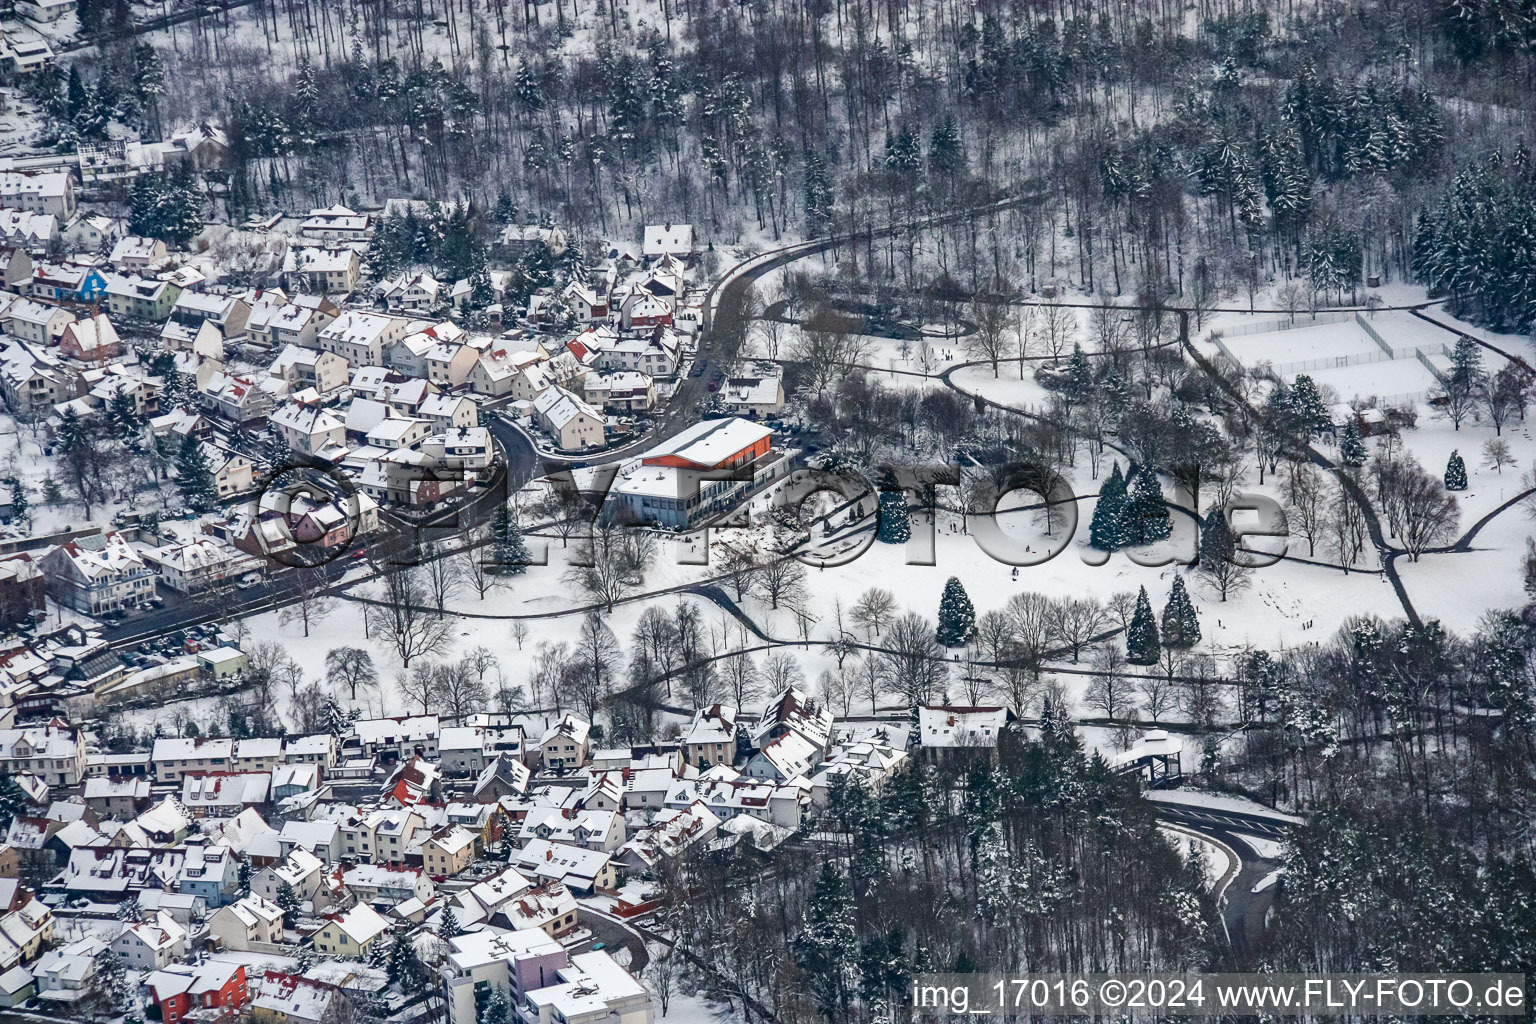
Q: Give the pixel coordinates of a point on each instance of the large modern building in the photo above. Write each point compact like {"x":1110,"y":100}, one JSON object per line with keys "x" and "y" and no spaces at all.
{"x":671,"y":484}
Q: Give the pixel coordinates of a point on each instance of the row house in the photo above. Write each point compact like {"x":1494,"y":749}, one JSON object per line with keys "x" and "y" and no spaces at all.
{"x":24,"y":230}
{"x":176,"y":756}
{"x":98,"y":574}
{"x":50,"y":192}
{"x":570,"y":422}
{"x":362,"y":338}
{"x":190,"y":567}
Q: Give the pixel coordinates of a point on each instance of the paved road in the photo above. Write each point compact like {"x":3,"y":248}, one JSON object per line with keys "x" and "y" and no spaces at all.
{"x":1245,"y":912}
{"x":280,"y":586}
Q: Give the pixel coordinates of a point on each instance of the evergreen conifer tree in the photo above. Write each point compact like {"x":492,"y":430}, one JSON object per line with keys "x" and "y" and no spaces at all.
{"x":21,"y":511}
{"x":13,"y":800}
{"x":1146,"y":516}
{"x":826,"y":948}
{"x":1181,"y":626}
{"x":194,"y":476}
{"x":509,"y":555}
{"x":1307,"y":402}
{"x":1107,"y":530}
{"x":895,"y":527}
{"x":1352,"y":446}
{"x":957,"y":616}
{"x":1142,"y":645}
{"x":1455,"y":473}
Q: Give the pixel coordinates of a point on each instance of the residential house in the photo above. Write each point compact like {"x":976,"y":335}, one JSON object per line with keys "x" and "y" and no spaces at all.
{"x":506,"y":776}
{"x":210,"y":990}
{"x":753,"y":397}
{"x":669,"y":239}
{"x":570,"y":422}
{"x":151,"y":945}
{"x":191,"y":310}
{"x":395,"y":738}
{"x":378,"y":885}
{"x":192,"y":566}
{"x":91,"y":340}
{"x":15,"y":264}
{"x":177,"y":756}
{"x":362,"y":338}
{"x":331,"y":271}
{"x":247,"y":922}
{"x":66,"y":975}
{"x":36,"y":322}
{"x":22,"y":589}
{"x":564,"y":746}
{"x":307,"y":367}
{"x":448,"y":851}
{"x":290,"y":999}
{"x":710,"y":738}
{"x":580,"y":870}
{"x":943,"y":730}
{"x":793,"y":711}
{"x":509,"y":962}
{"x":40,"y":191}
{"x":591,"y":829}
{"x":210,"y":873}
{"x":336,"y":224}
{"x":620,"y":391}
{"x":309,"y":429}
{"x":224,"y":794}
{"x":24,"y":231}
{"x":594,"y":989}
{"x":469,"y":449}
{"x":121,"y":796}
{"x":98,"y":574}
{"x":351,"y":934}
{"x":301,"y":871}
{"x":135,"y":254}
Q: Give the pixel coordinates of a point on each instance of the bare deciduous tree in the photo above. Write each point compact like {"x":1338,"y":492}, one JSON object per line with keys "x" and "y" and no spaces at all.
{"x":312,"y":599}
{"x":612,"y":562}
{"x":402,"y":618}
{"x":1077,"y":621}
